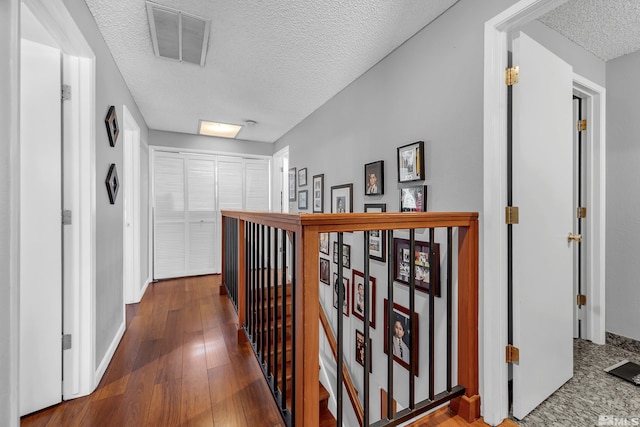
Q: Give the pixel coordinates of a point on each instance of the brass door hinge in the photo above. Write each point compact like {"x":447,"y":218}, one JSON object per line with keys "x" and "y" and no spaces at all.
{"x":581,"y":125}
{"x":581,"y":300}
{"x":512,"y":215}
{"x":512,"y":354}
{"x":512,"y":75}
{"x":581,"y":212}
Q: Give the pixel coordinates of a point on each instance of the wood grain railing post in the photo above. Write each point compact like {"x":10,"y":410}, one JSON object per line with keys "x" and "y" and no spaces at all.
{"x":242,"y":286}
{"x":468,"y":406}
{"x":223,"y":288}
{"x":307,"y":348}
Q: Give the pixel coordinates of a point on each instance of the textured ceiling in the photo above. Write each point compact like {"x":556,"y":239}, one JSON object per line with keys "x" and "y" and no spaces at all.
{"x":606,"y":28}
{"x":274,"y":62}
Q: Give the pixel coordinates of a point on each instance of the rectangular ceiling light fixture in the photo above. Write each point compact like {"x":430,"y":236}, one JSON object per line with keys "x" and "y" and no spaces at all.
{"x":178,"y":35}
{"x":218,"y":129}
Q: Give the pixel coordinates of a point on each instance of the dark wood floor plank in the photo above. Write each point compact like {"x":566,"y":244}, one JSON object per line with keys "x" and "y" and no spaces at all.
{"x":215,"y":348}
{"x":164,"y":409}
{"x":170,"y":363}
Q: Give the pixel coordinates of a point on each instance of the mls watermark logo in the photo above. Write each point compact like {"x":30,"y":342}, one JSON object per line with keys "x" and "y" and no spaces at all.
{"x":611,"y":420}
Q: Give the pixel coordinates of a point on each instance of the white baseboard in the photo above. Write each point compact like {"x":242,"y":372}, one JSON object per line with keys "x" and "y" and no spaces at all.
{"x":109,"y":354}
{"x":144,"y":289}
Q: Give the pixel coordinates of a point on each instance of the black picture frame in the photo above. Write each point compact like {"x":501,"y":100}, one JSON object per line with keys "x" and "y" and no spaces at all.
{"x":325,"y":270}
{"x":411,"y":162}
{"x":113,"y":183}
{"x":413,"y":199}
{"x":302,"y":177}
{"x":324,"y":243}
{"x":360,"y":350}
{"x":111,"y":121}
{"x":342,"y":198}
{"x":410,"y":338}
{"x":401,"y":268}
{"x":302,"y":199}
{"x":292,"y":184}
{"x":318,"y":193}
{"x":377,"y":238}
{"x":357,"y":298}
{"x":374,"y":178}
{"x":346,"y":254}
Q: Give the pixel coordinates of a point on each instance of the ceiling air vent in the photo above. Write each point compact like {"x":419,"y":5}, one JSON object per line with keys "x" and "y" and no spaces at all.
{"x":178,"y":35}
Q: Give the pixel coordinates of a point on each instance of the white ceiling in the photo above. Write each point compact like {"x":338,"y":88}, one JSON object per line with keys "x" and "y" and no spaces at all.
{"x":274,"y":62}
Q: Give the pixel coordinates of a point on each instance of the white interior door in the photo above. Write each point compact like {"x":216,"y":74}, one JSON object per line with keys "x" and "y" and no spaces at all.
{"x":40,"y":227}
{"x":542,"y":255}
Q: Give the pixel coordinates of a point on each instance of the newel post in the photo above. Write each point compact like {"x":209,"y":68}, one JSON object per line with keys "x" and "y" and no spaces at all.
{"x":307,"y":319}
{"x":468,"y":406}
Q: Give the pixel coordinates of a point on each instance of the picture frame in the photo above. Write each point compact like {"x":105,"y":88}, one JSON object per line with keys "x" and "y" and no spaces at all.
{"x":345,"y":284}
{"x":360,"y":350}
{"x":113,"y":183}
{"x":111,"y":122}
{"x":324,"y":243}
{"x":377,"y":238}
{"x":357,"y":296}
{"x":292,"y":184}
{"x":346,"y":254}
{"x":411,"y":162}
{"x":374,"y":178}
{"x":413,"y":199}
{"x":302,"y":199}
{"x":409,"y":337}
{"x":302,"y":177}
{"x":402,"y":261}
{"x":318,"y":193}
{"x":342,"y":198}
{"x":325,"y":268}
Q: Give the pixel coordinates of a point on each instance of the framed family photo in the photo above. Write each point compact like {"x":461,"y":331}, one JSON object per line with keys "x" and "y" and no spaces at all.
{"x":402,"y":267}
{"x":324,"y":270}
{"x":318,"y":193}
{"x":374,"y":178}
{"x":292,"y":184}
{"x":357,"y":296}
{"x":403,"y":335}
{"x":411,"y":162}
{"x":360,"y":350}
{"x":346,"y":254}
{"x":302,"y":177}
{"x":302,"y":199}
{"x":324,"y":243}
{"x":342,"y":198}
{"x":377,"y":238}
{"x":413,"y":199}
{"x":345,"y":287}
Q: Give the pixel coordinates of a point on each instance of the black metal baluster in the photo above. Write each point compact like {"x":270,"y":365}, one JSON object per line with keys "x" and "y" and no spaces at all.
{"x":449,"y":303}
{"x":293,"y":329}
{"x":340,"y":286}
{"x":247,"y":271}
{"x":268,"y":330}
{"x":432,"y":289}
{"x":367,"y":326}
{"x":412,"y":310}
{"x":390,"y":276}
{"x":261,"y":298}
{"x":275,"y":314}
{"x":283,"y":322}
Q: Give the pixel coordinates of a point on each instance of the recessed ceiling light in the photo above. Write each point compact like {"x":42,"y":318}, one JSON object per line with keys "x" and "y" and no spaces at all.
{"x":223,"y":130}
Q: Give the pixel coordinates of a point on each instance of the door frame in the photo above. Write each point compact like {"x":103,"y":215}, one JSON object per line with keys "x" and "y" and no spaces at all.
{"x":493,"y":268}
{"x":133,"y":291}
{"x":79,"y":250}
{"x":280,"y":188}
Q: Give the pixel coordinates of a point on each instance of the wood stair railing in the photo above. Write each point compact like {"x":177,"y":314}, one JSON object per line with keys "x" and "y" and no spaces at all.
{"x":352,"y":392}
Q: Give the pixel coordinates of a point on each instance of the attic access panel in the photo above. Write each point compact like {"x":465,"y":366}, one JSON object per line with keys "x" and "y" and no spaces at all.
{"x":178,"y":35}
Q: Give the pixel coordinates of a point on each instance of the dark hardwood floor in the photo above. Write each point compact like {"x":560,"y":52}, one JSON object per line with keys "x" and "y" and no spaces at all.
{"x":178,"y":364}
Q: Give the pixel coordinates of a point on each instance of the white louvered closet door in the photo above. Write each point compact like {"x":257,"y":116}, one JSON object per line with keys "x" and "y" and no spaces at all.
{"x":169,"y":218}
{"x":257,"y":177}
{"x":230,"y":189}
{"x":202,"y":223}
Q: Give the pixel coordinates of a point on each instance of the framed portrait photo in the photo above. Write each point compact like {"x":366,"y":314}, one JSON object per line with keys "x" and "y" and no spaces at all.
{"x":403,"y":335}
{"x":324,"y":243}
{"x":377,"y":238}
{"x":324,"y":271}
{"x":342,"y":198}
{"x":413,"y":199}
{"x":302,"y":177}
{"x":346,"y":254}
{"x":302,"y":199}
{"x":411,"y":162}
{"x":318,"y":193}
{"x":402,"y":267}
{"x":374,"y":178}
{"x":345,"y":288}
{"x":360,"y":350}
{"x":292,"y":184}
{"x":357,"y":296}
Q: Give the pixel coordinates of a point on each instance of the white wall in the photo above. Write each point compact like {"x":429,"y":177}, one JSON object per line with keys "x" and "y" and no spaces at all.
{"x":208,"y":143}
{"x":623,"y":177}
{"x":9,"y":184}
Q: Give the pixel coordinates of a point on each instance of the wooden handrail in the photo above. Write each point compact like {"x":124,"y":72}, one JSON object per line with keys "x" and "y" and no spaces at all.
{"x":348,"y":383}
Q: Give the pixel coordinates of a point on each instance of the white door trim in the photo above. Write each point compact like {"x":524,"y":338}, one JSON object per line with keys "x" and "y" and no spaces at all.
{"x":133,"y":290}
{"x":493,"y":270}
{"x":79,"y":290}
